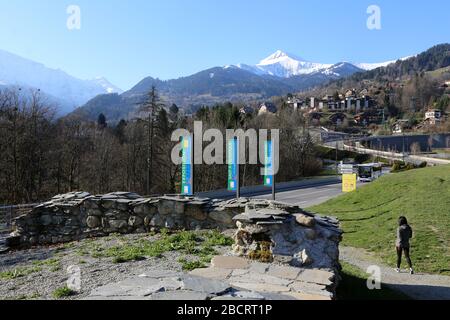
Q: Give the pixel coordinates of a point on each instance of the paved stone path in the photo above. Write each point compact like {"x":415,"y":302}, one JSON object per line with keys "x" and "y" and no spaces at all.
{"x":419,"y":286}
{"x":228,"y":278}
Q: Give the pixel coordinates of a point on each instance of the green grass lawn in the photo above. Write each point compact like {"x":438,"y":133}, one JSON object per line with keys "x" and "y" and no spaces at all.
{"x":353,"y":286}
{"x":369,"y":216}
{"x":447,"y":151}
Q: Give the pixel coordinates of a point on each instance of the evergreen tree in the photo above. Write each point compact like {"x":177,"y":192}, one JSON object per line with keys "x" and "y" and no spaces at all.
{"x":152,"y":106}
{"x":101,"y":121}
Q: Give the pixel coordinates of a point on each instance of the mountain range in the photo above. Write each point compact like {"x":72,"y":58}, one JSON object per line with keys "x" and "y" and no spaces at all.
{"x":62,"y":90}
{"x":278,"y":74}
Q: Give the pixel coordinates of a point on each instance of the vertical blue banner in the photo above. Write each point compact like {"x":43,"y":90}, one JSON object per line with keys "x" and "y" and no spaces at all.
{"x":187,"y":174}
{"x":268,"y":170}
{"x":233,"y":166}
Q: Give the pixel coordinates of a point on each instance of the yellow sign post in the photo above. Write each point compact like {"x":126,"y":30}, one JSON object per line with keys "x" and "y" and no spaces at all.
{"x":349,"y":182}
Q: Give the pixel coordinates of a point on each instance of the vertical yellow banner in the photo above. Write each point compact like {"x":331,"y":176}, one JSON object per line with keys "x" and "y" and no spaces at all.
{"x":349,"y":182}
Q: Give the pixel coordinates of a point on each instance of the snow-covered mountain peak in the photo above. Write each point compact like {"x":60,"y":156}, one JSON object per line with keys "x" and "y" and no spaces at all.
{"x":108,"y":86}
{"x":70,"y":92}
{"x":282,"y":64}
{"x":279,"y":57}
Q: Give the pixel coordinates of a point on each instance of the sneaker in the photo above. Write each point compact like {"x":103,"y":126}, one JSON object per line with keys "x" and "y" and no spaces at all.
{"x":397,"y":270}
{"x":411,"y":271}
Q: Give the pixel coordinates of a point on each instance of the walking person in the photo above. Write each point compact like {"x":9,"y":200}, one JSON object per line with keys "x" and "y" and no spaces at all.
{"x":404,"y":234}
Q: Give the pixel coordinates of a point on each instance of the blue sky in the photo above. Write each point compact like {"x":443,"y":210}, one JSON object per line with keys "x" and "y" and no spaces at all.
{"x":127,"y":40}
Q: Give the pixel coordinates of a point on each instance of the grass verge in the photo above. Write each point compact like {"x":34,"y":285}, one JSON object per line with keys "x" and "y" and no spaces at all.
{"x":369,"y":216}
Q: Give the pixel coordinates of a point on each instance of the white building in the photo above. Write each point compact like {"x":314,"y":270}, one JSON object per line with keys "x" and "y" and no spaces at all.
{"x":433,"y":116}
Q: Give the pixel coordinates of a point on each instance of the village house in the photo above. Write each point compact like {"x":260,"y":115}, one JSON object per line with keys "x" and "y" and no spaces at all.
{"x":337,"y":119}
{"x":267,"y":107}
{"x":401,"y":126}
{"x":246,"y":110}
{"x":368,"y":117}
{"x":296,"y":103}
{"x":433,"y":116}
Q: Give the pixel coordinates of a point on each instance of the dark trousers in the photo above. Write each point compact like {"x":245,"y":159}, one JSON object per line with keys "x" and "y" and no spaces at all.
{"x":401,"y":250}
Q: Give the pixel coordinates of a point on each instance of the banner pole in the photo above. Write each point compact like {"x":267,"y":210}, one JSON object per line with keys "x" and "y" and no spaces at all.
{"x":273,"y":173}
{"x":238,"y":172}
{"x":193,"y":164}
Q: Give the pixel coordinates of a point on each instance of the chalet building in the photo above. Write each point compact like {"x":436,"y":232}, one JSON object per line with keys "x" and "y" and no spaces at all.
{"x":401,"y":126}
{"x":296,"y":103}
{"x":433,"y":116}
{"x":351,"y":101}
{"x":368,"y":117}
{"x":350,"y":93}
{"x":337,"y":119}
{"x":266,"y":108}
{"x":246,"y":110}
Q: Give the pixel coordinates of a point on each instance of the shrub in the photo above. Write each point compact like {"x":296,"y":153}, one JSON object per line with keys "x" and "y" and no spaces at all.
{"x":191,"y":265}
{"x":63,"y":292}
{"x":19,"y":273}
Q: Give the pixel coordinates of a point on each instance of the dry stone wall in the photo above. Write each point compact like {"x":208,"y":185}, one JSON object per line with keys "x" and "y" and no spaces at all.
{"x":79,"y":215}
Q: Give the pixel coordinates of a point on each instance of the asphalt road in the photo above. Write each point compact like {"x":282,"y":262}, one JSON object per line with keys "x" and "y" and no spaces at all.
{"x":305,"y":193}
{"x":309,"y":196}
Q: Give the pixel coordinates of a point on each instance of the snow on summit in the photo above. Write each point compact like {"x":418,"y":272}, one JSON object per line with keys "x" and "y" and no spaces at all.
{"x":70,"y":91}
{"x":285,"y":65}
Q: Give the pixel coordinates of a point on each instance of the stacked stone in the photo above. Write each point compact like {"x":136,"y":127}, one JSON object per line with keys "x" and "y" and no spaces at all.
{"x":79,"y":215}
{"x":295,"y":237}
{"x":56,"y":221}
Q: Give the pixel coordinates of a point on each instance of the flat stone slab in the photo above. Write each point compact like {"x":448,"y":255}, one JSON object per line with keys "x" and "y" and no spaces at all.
{"x":273,"y":212}
{"x":261,"y":278}
{"x":110,"y":291}
{"x":316,"y":276}
{"x":277,"y":296}
{"x":160,"y":274}
{"x":307,"y":297}
{"x":131,"y":287}
{"x":209,"y":286}
{"x":180,"y":295}
{"x":241,"y":295}
{"x":310,"y":288}
{"x":212,"y":273}
{"x":116,"y":298}
{"x":285,"y":272}
{"x":261,"y":287}
{"x":259,"y":267}
{"x":240,"y":272}
{"x":230,"y":262}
